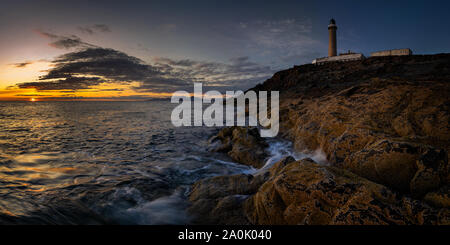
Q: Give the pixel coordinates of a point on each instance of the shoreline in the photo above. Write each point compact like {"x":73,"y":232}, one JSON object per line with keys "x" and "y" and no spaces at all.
{"x":382,"y":124}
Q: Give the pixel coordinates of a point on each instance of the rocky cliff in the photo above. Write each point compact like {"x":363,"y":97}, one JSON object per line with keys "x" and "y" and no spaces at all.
{"x":383,"y":125}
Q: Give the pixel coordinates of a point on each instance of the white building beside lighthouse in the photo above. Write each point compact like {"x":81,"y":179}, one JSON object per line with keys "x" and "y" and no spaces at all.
{"x":349,"y":56}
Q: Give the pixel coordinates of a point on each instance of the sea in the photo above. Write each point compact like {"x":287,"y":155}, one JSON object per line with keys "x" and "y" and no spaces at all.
{"x":105,"y":162}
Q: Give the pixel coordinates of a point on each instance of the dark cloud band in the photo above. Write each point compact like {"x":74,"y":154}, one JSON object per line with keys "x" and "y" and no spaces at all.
{"x":92,"y":65}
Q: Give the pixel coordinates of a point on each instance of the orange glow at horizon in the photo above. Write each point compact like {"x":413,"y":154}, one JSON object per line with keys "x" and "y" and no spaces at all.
{"x":9,"y":91}
{"x":12,"y":75}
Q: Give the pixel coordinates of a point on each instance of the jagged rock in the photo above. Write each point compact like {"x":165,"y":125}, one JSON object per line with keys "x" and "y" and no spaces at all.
{"x":304,"y":192}
{"x":220,"y":186}
{"x":218,"y":200}
{"x":403,"y":166}
{"x":357,"y":111}
{"x":244,"y":145}
{"x":439,"y":198}
{"x":278,"y":166}
{"x":385,"y":119}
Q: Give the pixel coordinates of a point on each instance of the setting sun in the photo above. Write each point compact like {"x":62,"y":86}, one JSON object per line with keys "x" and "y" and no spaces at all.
{"x":32,"y":99}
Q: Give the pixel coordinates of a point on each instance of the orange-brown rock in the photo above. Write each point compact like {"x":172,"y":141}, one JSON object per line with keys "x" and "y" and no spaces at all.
{"x":380,"y":118}
{"x":244,"y":145}
{"x":403,"y":166}
{"x":439,"y":198}
{"x":218,"y":200}
{"x":304,"y":192}
{"x":384,"y":125}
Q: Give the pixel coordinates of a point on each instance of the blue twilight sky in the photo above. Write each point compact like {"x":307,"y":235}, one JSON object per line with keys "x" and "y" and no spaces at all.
{"x":211,"y":38}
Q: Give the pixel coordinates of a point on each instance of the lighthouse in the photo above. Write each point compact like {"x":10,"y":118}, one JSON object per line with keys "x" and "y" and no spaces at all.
{"x":332,"y":47}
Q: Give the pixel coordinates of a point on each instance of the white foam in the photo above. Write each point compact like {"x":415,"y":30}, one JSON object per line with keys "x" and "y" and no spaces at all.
{"x":165,"y":210}
{"x":279,"y":149}
{"x":319,"y":156}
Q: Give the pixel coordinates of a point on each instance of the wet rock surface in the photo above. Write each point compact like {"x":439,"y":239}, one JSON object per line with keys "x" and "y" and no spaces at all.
{"x":242,"y":144}
{"x":383,"y":124}
{"x":385,"y":118}
{"x":304,"y":192}
{"x":219,"y":200}
{"x":307,"y":193}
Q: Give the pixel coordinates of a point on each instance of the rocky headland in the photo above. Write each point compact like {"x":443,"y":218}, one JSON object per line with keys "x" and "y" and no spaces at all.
{"x":383,"y":124}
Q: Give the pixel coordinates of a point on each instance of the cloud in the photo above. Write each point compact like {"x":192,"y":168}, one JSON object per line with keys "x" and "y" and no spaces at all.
{"x":239,"y":68}
{"x":69,"y":82}
{"x":92,"y":29}
{"x":70,"y":97}
{"x":111,"y":89}
{"x":64,"y":42}
{"x":92,"y":65}
{"x":29,"y":95}
{"x":22,"y":64}
{"x":86,"y":68}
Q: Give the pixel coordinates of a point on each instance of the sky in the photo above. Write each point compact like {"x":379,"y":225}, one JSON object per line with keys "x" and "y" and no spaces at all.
{"x":136,"y":50}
